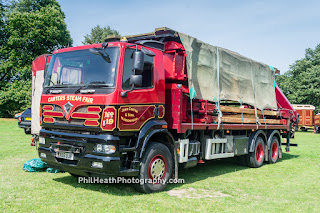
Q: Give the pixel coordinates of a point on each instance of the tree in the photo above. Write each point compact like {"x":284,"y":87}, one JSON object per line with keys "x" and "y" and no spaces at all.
{"x":98,"y":35}
{"x":32,"y":28}
{"x":301,"y":83}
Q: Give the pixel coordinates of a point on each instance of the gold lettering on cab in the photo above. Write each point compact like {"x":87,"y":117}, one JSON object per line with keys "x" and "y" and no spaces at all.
{"x":109,"y":117}
{"x":128,"y":114}
{"x":77,"y":98}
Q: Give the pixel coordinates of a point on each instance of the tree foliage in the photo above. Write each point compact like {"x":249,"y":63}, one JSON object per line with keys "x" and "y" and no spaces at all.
{"x":99,"y":34}
{"x":30,"y":28}
{"x":301,"y":83}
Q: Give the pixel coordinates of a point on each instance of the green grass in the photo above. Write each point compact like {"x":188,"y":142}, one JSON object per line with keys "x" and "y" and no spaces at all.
{"x":291,"y":185}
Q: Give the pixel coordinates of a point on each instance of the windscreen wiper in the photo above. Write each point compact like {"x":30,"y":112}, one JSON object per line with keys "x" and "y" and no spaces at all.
{"x":53,"y":90}
{"x":86,"y":89}
{"x":97,"y":51}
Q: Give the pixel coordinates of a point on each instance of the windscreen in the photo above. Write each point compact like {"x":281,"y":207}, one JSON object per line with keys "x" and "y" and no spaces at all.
{"x":83,"y":67}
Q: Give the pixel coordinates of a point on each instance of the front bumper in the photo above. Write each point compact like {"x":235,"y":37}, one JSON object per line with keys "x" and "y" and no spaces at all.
{"x":82,"y":162}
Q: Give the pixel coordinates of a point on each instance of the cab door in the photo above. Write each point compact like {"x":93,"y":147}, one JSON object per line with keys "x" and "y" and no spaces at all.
{"x":142,"y":103}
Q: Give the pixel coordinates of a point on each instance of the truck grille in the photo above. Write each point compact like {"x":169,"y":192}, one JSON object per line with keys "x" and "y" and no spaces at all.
{"x":81,"y":116}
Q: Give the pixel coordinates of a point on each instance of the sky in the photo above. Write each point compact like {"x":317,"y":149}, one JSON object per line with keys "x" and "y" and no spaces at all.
{"x":275,"y":32}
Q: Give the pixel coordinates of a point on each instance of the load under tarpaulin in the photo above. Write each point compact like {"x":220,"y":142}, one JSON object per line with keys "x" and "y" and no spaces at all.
{"x":216,"y":74}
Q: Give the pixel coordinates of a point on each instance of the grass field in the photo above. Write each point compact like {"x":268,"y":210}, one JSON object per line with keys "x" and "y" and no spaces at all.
{"x":291,"y":185}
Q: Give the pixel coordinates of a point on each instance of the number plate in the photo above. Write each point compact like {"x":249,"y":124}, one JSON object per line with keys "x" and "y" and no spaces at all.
{"x":28,"y":119}
{"x":65,"y":155}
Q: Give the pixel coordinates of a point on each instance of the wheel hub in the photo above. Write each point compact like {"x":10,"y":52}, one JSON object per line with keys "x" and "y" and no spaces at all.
{"x":274,"y":150}
{"x":259,"y":153}
{"x":157,"y":168}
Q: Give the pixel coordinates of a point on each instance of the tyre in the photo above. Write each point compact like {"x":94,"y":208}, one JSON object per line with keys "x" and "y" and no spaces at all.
{"x":27,"y":131}
{"x":255,"y":159}
{"x":273,"y":153}
{"x":74,"y":175}
{"x":156,"y":168}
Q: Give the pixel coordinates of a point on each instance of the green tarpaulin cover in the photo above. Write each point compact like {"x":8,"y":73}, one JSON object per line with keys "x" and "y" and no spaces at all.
{"x":216,"y":73}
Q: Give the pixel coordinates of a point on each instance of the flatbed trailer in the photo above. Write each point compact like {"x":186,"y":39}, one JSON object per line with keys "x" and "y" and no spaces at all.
{"x":134,"y":107}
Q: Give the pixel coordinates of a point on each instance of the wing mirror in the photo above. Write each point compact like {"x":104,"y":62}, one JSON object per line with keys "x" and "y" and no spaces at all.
{"x":136,"y":80}
{"x":137,"y":70}
{"x":138,"y":62}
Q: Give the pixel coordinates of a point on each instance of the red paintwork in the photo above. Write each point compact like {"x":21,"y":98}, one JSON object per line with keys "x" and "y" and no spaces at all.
{"x":93,"y":109}
{"x":174,"y":61}
{"x":47,"y":107}
{"x":317,"y":120}
{"x":82,"y":115}
{"x":39,"y":63}
{"x":259,"y":152}
{"x":198,"y":126}
{"x":274,"y":150}
{"x":52,"y":114}
{"x":285,"y":108}
{"x":161,"y":111}
{"x":91,"y":123}
{"x":132,"y":118}
{"x":48,"y":120}
{"x":109,"y":117}
{"x":69,"y":49}
{"x":165,"y":167}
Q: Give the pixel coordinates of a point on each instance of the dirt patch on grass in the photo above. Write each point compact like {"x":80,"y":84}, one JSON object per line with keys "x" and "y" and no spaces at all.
{"x":196,"y":193}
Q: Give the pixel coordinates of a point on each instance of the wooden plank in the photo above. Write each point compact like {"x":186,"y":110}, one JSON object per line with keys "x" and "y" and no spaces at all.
{"x":239,"y":116}
{"x":247,"y":111}
{"x":226,"y":119}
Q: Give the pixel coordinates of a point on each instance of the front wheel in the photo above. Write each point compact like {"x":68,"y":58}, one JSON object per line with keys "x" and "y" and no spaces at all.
{"x":255,"y":159}
{"x":156,"y":168}
{"x":27,"y":131}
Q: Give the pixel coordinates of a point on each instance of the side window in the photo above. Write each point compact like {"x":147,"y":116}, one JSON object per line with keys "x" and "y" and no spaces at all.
{"x":147,"y":74}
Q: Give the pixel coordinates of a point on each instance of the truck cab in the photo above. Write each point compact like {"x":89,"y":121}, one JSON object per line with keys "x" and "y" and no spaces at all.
{"x":97,"y":105}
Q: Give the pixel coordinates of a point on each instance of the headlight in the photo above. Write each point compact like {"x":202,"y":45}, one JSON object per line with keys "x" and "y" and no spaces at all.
{"x":107,"y":149}
{"x":42,"y":140}
{"x":97,"y":165}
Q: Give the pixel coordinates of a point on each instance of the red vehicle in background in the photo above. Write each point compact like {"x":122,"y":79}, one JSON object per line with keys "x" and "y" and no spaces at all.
{"x":317,"y":123}
{"x":128,"y":108}
{"x":306,"y":116}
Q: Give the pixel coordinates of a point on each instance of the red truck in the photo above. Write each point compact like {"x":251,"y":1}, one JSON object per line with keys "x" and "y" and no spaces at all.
{"x":150,"y":104}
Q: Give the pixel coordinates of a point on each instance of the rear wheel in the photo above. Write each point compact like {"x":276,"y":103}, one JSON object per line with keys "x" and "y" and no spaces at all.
{"x":255,"y":159}
{"x":274,"y":150}
{"x":156,"y":168}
